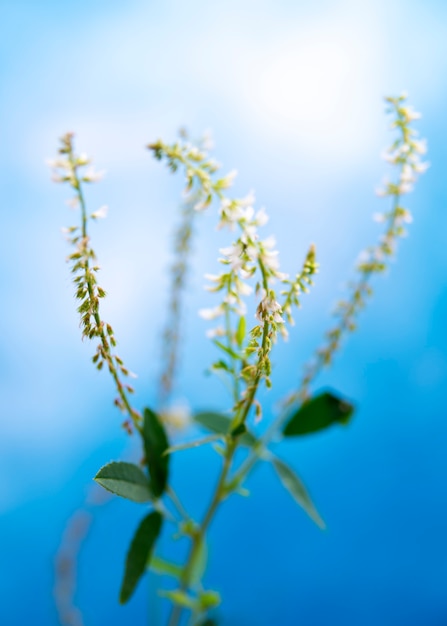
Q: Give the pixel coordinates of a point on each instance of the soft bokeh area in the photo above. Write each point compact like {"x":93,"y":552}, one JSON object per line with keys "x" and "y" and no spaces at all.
{"x":293,"y":94}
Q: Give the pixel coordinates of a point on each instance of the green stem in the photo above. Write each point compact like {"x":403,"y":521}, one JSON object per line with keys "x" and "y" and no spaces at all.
{"x":99,"y":325}
{"x":199,"y":535}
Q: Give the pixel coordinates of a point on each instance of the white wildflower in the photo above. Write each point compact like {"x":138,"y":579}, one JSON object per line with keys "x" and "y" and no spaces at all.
{"x":421,"y":167}
{"x":215,"y":332}
{"x":410,"y":114}
{"x":101,"y":213}
{"x":261,"y":217}
{"x":211,"y":314}
{"x":269,"y":310}
{"x":407,"y":174}
{"x":92,"y":176}
{"x":73,"y":203}
{"x":379,"y":217}
{"x":228,"y":180}
{"x":234,"y":256}
{"x":419,"y":146}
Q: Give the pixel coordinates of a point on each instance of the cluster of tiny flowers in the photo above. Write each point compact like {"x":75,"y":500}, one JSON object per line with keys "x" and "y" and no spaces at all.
{"x":241,"y":260}
{"x":405,"y":155}
{"x":68,"y":169}
{"x":247,"y":252}
{"x":179,"y":271}
{"x":247,"y":256}
{"x":299,"y":285}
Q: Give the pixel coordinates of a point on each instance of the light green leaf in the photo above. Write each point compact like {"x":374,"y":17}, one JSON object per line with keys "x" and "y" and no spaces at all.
{"x":240,"y":332}
{"x":228,"y":350}
{"x":193,"y":444}
{"x":181,"y":598}
{"x":161,"y":566}
{"x":297,"y":489}
{"x":209,"y":599}
{"x":199,"y":564}
{"x":139,"y":553}
{"x":318,"y":413}
{"x":126,"y":480}
{"x":155,"y":446}
{"x":221,"y":365}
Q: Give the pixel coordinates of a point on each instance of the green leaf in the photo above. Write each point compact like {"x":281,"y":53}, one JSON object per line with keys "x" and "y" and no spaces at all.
{"x":155,"y":446}
{"x":139,"y":553}
{"x":209,"y":599}
{"x":221,"y":365}
{"x":221,"y":424}
{"x":318,"y":413}
{"x":199,"y":564}
{"x":215,"y":422}
{"x":296,"y":489}
{"x":240,"y":332}
{"x":161,"y":566}
{"x":126,"y":480}
{"x":226,"y":349}
{"x":193,"y":444}
{"x":181,"y":598}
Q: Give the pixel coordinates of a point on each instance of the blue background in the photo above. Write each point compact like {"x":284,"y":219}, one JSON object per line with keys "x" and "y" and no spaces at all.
{"x":293,"y":94}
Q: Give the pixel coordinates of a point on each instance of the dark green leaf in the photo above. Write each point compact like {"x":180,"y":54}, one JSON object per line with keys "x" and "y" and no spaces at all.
{"x":239,"y":430}
{"x":155,"y":446}
{"x":297,"y":490}
{"x":139,"y":553}
{"x":221,"y":424}
{"x":318,"y":413}
{"x":126,"y":480}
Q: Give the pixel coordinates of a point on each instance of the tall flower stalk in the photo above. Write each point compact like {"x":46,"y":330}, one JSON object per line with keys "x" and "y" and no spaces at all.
{"x":250,"y":286}
{"x":70,"y":168}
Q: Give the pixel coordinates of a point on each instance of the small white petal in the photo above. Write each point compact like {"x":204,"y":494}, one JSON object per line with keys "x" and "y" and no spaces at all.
{"x":101,"y":213}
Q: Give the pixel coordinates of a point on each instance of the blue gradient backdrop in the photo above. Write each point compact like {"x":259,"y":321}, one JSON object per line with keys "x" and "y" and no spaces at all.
{"x":293,"y":94}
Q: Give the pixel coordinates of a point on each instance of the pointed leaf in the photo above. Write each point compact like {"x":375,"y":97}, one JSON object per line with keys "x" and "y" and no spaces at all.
{"x":221,"y":424}
{"x":240,"y":332}
{"x":126,"y":480}
{"x":199,"y":565}
{"x":161,"y":566}
{"x":193,"y":444}
{"x":319,"y":413}
{"x":215,"y":422}
{"x":228,"y":350}
{"x":181,"y":598}
{"x":297,"y":490}
{"x":155,"y":446}
{"x":139,"y":553}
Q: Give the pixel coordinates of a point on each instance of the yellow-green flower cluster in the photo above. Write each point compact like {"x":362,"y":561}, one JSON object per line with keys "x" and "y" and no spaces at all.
{"x":248,"y":257}
{"x":69,"y":168}
{"x":404,"y":155}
